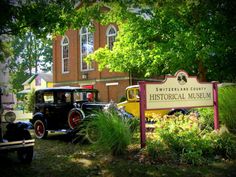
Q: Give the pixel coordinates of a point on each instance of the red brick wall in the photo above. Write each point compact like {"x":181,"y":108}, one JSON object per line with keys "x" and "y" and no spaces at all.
{"x":112,"y":92}
{"x":94,"y":77}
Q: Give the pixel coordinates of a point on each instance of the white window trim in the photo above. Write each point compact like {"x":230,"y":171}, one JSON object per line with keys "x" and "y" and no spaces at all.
{"x":81,"y":59}
{"x":110,"y":35}
{"x":62,"y":59}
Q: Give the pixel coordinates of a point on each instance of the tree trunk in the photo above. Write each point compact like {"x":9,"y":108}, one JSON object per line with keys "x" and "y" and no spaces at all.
{"x":201,"y":72}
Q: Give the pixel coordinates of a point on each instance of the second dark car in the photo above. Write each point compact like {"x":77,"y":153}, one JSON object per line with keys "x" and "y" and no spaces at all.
{"x":63,"y":108}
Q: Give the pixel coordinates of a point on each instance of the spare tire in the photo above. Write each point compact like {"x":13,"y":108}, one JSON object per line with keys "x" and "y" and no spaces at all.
{"x":75,"y":117}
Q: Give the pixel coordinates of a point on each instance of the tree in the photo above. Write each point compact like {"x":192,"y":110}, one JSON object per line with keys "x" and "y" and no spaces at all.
{"x":164,"y":36}
{"x":155,"y":37}
{"x":18,"y":77}
{"x":30,"y":56}
{"x":41,"y":17}
{"x":38,"y":16}
{"x":29,"y":101}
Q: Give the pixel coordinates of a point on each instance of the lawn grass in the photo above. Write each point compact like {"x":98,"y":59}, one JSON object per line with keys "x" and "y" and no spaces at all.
{"x":58,"y":157}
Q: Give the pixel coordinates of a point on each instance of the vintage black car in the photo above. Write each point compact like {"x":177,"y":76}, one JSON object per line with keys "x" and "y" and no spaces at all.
{"x":63,"y":108}
{"x":14,"y":136}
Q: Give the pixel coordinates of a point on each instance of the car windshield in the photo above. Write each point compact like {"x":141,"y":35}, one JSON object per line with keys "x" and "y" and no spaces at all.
{"x":133,"y":94}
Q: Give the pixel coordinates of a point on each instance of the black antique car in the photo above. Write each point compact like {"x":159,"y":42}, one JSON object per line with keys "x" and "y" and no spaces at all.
{"x":14,"y":136}
{"x":63,"y":108}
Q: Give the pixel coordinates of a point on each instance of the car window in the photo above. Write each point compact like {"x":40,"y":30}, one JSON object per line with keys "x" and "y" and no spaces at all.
{"x":90,"y":97}
{"x":133,"y":94}
{"x":63,"y":97}
{"x":48,"y":97}
{"x":84,"y":96}
{"x":78,"y":96}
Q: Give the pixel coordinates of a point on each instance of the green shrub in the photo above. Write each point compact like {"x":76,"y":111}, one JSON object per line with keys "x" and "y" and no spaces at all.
{"x":227,"y":106}
{"x":30,"y":101}
{"x":184,"y":137}
{"x":225,"y":145}
{"x":123,"y":98}
{"x":206,"y":116}
{"x":134,"y":125}
{"x":113,"y":133}
{"x":227,"y":111}
{"x":158,"y":151}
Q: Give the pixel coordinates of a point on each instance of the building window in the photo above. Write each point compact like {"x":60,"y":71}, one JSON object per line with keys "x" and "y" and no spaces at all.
{"x":65,"y":54}
{"x":111,"y":36}
{"x":86,"y":47}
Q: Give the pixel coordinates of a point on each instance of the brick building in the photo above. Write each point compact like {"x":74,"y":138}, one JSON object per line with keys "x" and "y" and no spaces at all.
{"x":69,"y":68}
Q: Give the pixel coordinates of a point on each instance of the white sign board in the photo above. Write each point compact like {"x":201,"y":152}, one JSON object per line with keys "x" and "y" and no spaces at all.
{"x":179,"y":91}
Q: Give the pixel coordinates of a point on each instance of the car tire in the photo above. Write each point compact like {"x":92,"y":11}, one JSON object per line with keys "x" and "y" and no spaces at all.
{"x":40,"y":129}
{"x":92,"y":133}
{"x":25,"y":155}
{"x":74,"y":118}
{"x":182,"y":111}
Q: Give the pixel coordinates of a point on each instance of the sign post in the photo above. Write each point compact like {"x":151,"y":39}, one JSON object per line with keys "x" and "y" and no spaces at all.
{"x":216,"y":109}
{"x":178,"y":91}
{"x":142,"y":114}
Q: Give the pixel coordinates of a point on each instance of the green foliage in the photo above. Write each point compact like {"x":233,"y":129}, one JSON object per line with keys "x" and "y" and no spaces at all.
{"x":17,"y":78}
{"x":159,"y":151}
{"x":227,"y":105}
{"x":225,"y":145}
{"x":32,"y":53}
{"x":155,"y":37}
{"x":227,"y":111}
{"x":30,"y":101}
{"x":41,"y":17}
{"x":123,"y":98}
{"x":184,"y":137}
{"x":206,"y":116}
{"x":6,"y":50}
{"x":114,"y":132}
{"x":162,"y":37}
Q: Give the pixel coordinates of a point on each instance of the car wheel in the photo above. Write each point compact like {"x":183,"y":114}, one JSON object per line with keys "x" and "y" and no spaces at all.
{"x":25,"y":155}
{"x":75,"y":117}
{"x":92,"y":133}
{"x":40,"y":129}
{"x":177,"y":111}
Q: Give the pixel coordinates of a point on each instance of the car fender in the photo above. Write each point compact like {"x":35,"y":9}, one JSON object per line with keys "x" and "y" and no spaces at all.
{"x":38,"y":115}
{"x":19,"y":126}
{"x":25,"y":125}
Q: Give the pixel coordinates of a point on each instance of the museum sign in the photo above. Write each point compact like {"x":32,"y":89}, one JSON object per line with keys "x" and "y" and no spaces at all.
{"x":178,"y":91}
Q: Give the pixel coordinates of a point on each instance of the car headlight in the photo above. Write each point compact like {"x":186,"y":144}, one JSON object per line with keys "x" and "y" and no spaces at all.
{"x":10,"y":117}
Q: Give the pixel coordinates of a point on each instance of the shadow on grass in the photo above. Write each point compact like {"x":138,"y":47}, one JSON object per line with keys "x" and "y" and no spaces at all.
{"x":56,"y":156}
{"x":53,"y":157}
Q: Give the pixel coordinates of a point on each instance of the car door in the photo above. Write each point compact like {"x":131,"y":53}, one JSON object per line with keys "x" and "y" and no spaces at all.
{"x":48,"y":108}
{"x":64,"y":104}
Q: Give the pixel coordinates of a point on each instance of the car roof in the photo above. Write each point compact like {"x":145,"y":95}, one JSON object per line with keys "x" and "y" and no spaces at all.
{"x":132,"y":86}
{"x":64,"y":89}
